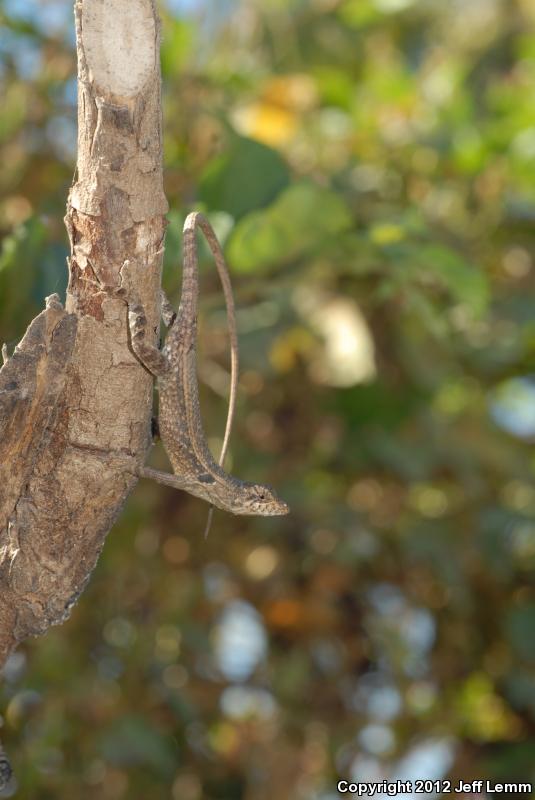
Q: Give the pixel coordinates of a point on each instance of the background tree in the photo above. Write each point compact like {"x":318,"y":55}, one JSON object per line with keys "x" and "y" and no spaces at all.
{"x":370,"y":167}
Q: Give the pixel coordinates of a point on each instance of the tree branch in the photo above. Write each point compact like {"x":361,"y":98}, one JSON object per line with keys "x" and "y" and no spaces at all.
{"x":75,"y":404}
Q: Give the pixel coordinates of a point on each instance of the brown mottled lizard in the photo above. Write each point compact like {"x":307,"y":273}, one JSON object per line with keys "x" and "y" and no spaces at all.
{"x":180,"y":422}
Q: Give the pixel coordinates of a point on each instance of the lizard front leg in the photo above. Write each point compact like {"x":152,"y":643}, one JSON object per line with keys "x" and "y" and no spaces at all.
{"x":148,"y":354}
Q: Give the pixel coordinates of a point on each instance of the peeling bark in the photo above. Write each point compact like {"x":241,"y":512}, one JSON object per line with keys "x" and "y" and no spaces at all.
{"x":75,"y":404}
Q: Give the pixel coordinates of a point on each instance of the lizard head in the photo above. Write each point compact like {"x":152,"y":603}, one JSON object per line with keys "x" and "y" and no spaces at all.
{"x":259,"y":500}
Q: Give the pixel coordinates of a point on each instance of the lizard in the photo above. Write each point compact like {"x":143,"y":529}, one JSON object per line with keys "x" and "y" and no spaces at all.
{"x":174,"y":366}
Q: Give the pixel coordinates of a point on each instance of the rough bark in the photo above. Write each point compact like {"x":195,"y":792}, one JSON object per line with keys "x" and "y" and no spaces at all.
{"x":75,"y":404}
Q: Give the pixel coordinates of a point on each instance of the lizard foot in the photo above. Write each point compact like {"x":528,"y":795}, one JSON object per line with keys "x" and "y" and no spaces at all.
{"x":168,"y":312}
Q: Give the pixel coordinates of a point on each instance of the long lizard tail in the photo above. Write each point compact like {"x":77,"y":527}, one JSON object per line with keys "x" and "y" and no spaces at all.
{"x":193,"y":221}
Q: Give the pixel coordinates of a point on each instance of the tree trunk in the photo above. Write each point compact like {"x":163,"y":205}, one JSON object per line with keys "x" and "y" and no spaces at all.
{"x":75,"y":404}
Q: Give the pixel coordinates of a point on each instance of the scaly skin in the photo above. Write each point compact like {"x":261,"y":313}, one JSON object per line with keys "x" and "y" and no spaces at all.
{"x":180,"y":422}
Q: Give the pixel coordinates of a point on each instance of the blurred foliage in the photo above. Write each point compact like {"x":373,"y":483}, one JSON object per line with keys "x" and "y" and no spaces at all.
{"x":370,"y":166}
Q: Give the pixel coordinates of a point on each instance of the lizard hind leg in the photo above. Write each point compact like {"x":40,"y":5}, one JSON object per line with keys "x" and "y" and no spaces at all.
{"x":168,"y":312}
{"x":147,"y":353}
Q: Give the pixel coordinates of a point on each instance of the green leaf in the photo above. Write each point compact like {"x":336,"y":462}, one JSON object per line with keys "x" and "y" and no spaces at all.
{"x":336,"y":86}
{"x":465,"y":281}
{"x":359,"y":13}
{"x":301,"y":219}
{"x":247,"y":176}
